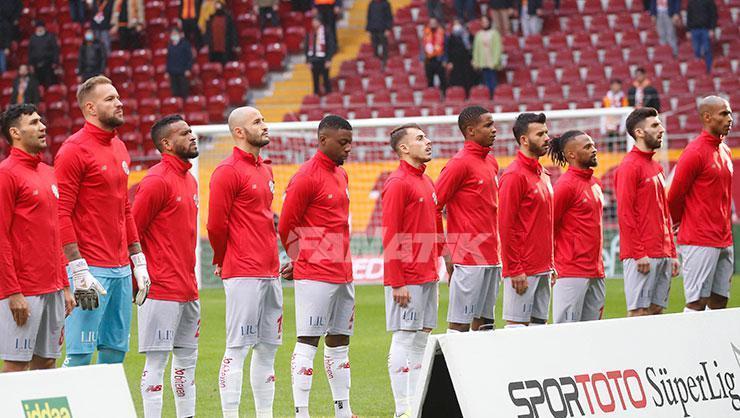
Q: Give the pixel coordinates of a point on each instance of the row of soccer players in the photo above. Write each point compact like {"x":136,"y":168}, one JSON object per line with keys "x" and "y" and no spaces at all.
{"x":314,"y":229}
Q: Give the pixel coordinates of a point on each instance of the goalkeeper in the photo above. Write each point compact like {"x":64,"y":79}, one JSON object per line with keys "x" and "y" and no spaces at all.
{"x":97,"y":230}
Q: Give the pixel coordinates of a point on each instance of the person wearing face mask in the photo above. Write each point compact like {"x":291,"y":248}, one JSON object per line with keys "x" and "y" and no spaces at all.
{"x":179,"y":62}
{"x":92,"y":58}
{"x":25,"y":87}
{"x":457,"y":50}
{"x":487,"y":49}
{"x":43,"y":54}
{"x":221,"y":35}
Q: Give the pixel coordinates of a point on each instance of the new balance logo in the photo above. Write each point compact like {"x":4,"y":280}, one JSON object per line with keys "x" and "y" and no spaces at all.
{"x":344,"y":365}
{"x":305,"y":371}
{"x":154,"y":388}
{"x":270,"y":379}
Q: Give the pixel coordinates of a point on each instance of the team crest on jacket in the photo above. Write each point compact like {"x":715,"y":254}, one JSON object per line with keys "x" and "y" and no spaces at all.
{"x":125,"y":167}
{"x":195,"y":199}
{"x":434,"y":197}
{"x":55,"y":190}
{"x":272,"y":186}
{"x":347,"y":190}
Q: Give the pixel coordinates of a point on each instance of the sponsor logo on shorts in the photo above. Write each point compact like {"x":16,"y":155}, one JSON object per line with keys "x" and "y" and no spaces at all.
{"x":88,"y":337}
{"x":165,"y":334}
{"x":47,"y":407}
{"x":23,"y":344}
{"x":628,"y":391}
{"x":248,"y":330}
{"x":316,"y":321}
{"x":409,"y":315}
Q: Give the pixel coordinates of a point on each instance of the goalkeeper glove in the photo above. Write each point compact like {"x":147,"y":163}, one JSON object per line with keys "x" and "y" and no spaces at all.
{"x":142,"y":277}
{"x":87,"y":288}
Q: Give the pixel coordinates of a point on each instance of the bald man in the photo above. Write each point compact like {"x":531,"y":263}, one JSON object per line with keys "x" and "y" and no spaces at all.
{"x":244,"y":241}
{"x":700,"y":201}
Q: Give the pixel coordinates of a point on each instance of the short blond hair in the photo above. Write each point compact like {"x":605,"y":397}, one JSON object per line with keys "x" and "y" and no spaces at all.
{"x":84,"y":89}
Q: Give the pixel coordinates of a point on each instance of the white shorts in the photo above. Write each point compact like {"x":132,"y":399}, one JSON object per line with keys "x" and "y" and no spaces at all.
{"x":324,"y":308}
{"x":166,"y":324}
{"x":534,"y":303}
{"x":706,"y":270}
{"x":473,"y":293}
{"x":577,"y":299}
{"x":643,"y":290}
{"x":43,"y":333}
{"x":254,"y":311}
{"x":419,"y":313}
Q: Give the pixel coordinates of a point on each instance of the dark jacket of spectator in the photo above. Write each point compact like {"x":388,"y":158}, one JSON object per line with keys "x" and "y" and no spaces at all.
{"x":179,"y":57}
{"x":10,"y":12}
{"x":532,"y":6}
{"x":43,"y":50}
{"x":91,"y":60}
{"x":31,"y":90}
{"x":674,"y":7}
{"x":458,"y":52}
{"x":222,"y":37}
{"x":102,"y":12}
{"x":501,"y":4}
{"x":701,"y":14}
{"x":650,"y":97}
{"x":379,"y":16}
{"x":315,"y":50}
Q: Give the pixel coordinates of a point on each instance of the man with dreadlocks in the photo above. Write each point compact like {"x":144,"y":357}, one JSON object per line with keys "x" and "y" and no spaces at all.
{"x":579,"y":292}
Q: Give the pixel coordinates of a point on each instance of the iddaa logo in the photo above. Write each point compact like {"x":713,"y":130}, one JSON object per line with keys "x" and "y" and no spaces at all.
{"x":47,"y":408}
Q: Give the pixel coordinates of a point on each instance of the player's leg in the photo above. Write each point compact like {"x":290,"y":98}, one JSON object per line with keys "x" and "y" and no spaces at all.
{"x":568,"y":299}
{"x":115,"y":324}
{"x":17,"y":343}
{"x":157,"y":322}
{"x":336,"y":348}
{"x":722,"y":279}
{"x":485,"y":310}
{"x":262,"y":367}
{"x":637,"y":288}
{"x":518,"y":308}
{"x":312,"y":303}
{"x":662,"y":285}
{"x":593,"y":305}
{"x":184,"y":358}
{"x":698,"y":270}
{"x":429,"y":322}
{"x":242,"y":321}
{"x":50,"y":335}
{"x":541,"y":301}
{"x":465,"y":287}
{"x":81,"y":328}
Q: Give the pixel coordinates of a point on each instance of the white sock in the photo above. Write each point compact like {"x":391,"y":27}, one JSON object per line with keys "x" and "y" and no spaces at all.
{"x":687,"y":309}
{"x":452,"y":331}
{"x":336,"y":365}
{"x":301,"y":373}
{"x":152,"y":379}
{"x":398,"y":368}
{"x":183,"y":380}
{"x":230,"y":380}
{"x":262,"y":377}
{"x":415,"y":359}
{"x":514,"y":326}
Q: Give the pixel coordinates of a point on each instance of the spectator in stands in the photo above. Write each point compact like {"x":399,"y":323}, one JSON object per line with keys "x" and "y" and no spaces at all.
{"x":379,"y":24}
{"x":501,"y":11}
{"x":329,"y":12}
{"x":189,"y":10}
{"x":487,"y":50}
{"x":179,"y":63}
{"x":614,"y":98}
{"x":436,"y":10}
{"x":78,"y":11}
{"x":465,"y":10}
{"x":319,"y":50}
{"x":642,"y":93}
{"x":128,"y":21}
{"x":9,"y":15}
{"x":666,"y":14}
{"x":701,"y":18}
{"x":102,"y":13}
{"x":268,"y":10}
{"x":530,"y":16}
{"x":92,"y":58}
{"x":221,"y":35}
{"x":458,"y":51}
{"x":433,"y":44}
{"x":25,"y":87}
{"x":43,"y":54}
{"x":207,"y":9}
{"x":301,"y":5}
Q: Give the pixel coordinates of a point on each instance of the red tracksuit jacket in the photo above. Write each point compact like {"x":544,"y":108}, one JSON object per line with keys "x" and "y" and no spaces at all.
{"x":31,"y":260}
{"x":578,"y":207}
{"x":409,"y":227}
{"x":314,"y":225}
{"x":526,"y":218}
{"x":700,"y":195}
{"x":241,"y":227}
{"x":94,"y":211}
{"x":642,"y":208}
{"x":468,"y":187}
{"x":166,"y":214}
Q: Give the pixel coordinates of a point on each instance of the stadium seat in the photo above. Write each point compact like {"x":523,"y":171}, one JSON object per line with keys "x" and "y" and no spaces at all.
{"x":197,"y":118}
{"x":143,"y":73}
{"x":149,"y":106}
{"x":275,"y":56}
{"x":55,"y":93}
{"x":234,"y":69}
{"x":216,"y":108}
{"x":236,"y":89}
{"x":140,"y":57}
{"x":272,"y":35}
{"x":56,"y":110}
{"x":256,"y":72}
{"x":214,"y":87}
{"x":253,"y":52}
{"x":210,"y":71}
{"x":455,"y":95}
{"x":294,"y":37}
{"x":120,"y":74}
{"x":195,"y":104}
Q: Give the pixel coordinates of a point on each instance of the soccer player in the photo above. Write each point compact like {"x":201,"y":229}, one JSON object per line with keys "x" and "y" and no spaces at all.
{"x":96,"y":226}
{"x":645,"y":239}
{"x":244,"y":241}
{"x":165,"y":210}
{"x":314,"y":229}
{"x":468,"y":188}
{"x":526,"y":226}
{"x":578,"y":204}
{"x":700,"y":200}
{"x":410,"y":255}
{"x":34,"y":291}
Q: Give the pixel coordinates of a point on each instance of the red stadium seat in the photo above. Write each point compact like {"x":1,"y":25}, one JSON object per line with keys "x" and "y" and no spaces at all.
{"x":171,"y":105}
{"x":143,"y":73}
{"x":159,"y":57}
{"x":210,"y":71}
{"x":56,"y":110}
{"x":431,"y":95}
{"x":120,"y":74}
{"x":294,"y":37}
{"x":118,"y":58}
{"x":149,"y":106}
{"x":216,"y":108}
{"x":256,"y":72}
{"x":454,"y":94}
{"x":214,"y":87}
{"x":195,"y":104}
{"x":272,"y":35}
{"x":253,"y":52}
{"x":140,"y":57}
{"x":234,"y":69}
{"x":197,"y":118}
{"x":55,"y":93}
{"x":275,"y":56}
{"x":236,"y":89}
